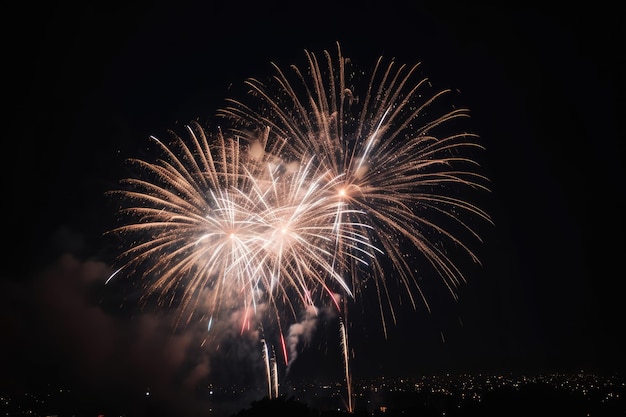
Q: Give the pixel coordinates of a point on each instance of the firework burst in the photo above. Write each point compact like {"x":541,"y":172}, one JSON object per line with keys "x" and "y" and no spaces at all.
{"x":401,"y":174}
{"x":315,"y":189}
{"x":209,"y":223}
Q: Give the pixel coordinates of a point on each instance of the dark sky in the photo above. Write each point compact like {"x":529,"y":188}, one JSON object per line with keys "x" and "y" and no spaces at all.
{"x":88,"y":84}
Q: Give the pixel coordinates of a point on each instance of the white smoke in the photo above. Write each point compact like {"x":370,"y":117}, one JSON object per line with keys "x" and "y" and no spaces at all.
{"x":301,"y":333}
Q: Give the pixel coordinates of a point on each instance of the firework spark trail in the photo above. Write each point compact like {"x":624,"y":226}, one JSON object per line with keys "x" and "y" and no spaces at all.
{"x":275,"y":384}
{"x":346,"y":361}
{"x":397,"y":173}
{"x":268,"y":371}
{"x":271,"y":370}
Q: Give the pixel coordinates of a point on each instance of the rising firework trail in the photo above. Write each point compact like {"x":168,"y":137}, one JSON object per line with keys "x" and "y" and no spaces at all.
{"x":268,"y":368}
{"x":322,"y":185}
{"x":343,"y":334}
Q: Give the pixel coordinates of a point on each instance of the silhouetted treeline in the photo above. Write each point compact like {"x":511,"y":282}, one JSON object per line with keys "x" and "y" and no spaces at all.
{"x":276,"y":407}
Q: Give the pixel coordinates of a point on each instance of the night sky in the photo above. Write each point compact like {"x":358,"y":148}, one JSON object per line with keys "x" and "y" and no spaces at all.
{"x":88,"y":84}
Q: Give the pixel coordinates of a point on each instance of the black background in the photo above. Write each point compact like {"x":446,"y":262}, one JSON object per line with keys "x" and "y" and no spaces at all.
{"x":85,"y":85}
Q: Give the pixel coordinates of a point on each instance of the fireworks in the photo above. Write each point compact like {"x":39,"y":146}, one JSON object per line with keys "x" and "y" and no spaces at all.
{"x":222,"y":227}
{"x":316,"y":189}
{"x":400,"y":172}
